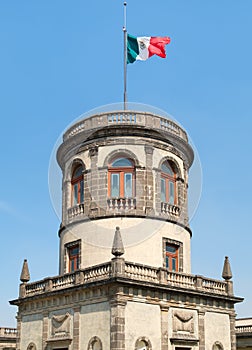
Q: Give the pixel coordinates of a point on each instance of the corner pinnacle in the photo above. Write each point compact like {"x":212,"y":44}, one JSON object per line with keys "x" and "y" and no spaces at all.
{"x":25,"y":275}
{"x":117,"y":248}
{"x":226,"y":272}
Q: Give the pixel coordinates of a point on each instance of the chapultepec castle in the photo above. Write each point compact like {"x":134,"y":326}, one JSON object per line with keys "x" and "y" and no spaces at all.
{"x":125,"y":280}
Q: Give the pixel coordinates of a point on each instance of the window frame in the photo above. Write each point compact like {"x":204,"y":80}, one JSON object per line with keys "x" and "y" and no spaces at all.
{"x":171,"y":256}
{"x":168,"y":179}
{"x":76,"y":257}
{"x":79,"y":181}
{"x":121,"y":171}
{"x":179,"y":254}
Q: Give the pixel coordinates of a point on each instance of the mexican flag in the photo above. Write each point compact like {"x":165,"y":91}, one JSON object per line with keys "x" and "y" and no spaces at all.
{"x":141,"y":48}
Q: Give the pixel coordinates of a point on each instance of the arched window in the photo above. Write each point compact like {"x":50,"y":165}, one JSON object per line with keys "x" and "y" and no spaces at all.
{"x":143,"y":344}
{"x":95,"y":344}
{"x":77,"y":185}
{"x":31,"y":346}
{"x":168,"y":184}
{"x":218,"y":346}
{"x":121,"y":179}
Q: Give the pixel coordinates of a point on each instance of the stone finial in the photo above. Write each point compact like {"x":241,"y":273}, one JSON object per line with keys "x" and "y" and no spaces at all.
{"x":117,"y":248}
{"x":226,"y":272}
{"x":25,"y":275}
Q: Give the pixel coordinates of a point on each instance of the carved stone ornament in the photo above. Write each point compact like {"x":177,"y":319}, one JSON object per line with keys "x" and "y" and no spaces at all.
{"x":61,"y":325}
{"x":183,"y":322}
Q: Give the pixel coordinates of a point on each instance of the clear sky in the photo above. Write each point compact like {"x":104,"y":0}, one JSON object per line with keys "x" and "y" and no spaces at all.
{"x":62,"y":58}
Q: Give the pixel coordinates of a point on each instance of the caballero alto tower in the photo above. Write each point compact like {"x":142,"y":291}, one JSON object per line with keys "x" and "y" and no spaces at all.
{"x":125,"y":280}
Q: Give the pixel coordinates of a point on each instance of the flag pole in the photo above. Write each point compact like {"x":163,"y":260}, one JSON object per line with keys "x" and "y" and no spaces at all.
{"x":125,"y":56}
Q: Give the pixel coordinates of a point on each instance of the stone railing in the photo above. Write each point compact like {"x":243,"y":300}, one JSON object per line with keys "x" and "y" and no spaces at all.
{"x":141,"y":272}
{"x":91,"y":274}
{"x":118,"y":204}
{"x":8,"y":332}
{"x":75,"y":211}
{"x":131,"y":271}
{"x":243,"y":329}
{"x":145,"y":119}
{"x":170,"y":209}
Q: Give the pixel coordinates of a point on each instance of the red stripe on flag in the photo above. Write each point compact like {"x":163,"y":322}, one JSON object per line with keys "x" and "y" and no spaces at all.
{"x":157,"y":46}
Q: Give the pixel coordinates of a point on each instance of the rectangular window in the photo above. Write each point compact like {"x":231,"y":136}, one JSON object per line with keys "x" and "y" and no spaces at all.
{"x":163,"y":194}
{"x":115,"y":185}
{"x":82,"y":191}
{"x":171,"y":192}
{"x":74,"y":258}
{"x":128,"y":185}
{"x":75,"y":194}
{"x":171,"y":257}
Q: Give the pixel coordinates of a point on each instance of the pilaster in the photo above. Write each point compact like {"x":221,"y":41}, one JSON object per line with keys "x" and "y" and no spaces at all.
{"x":117,"y":324}
{"x":201,"y":336}
{"x":149,"y":180}
{"x":232,"y":331}
{"x":66,"y":201}
{"x":93,"y":181}
{"x":18,"y":317}
{"x":45,"y":330}
{"x":164,"y":327}
{"x":76,"y":328}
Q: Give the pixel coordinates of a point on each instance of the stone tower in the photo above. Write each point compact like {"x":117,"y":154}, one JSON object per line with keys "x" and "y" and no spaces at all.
{"x":125,"y":277}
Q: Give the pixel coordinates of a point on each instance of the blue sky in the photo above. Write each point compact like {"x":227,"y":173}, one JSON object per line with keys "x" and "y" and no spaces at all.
{"x":60,"y":59}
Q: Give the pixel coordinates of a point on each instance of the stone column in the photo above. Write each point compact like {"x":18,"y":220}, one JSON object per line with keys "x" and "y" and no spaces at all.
{"x":201,"y":320}
{"x":117,"y":324}
{"x":164,"y":327}
{"x":232,"y":331}
{"x":45,"y":330}
{"x":76,"y":328}
{"x":149,"y":180}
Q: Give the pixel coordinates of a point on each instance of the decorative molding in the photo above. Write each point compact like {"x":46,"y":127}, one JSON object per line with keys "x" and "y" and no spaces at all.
{"x":183,"y":322}
{"x":93,"y":151}
{"x":60,"y":325}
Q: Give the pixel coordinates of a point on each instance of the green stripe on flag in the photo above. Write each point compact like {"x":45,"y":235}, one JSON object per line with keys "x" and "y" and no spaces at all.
{"x":132,"y":48}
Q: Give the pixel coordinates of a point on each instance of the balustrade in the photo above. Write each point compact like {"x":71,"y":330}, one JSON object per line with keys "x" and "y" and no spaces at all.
{"x":131,"y":271}
{"x":75,"y":211}
{"x":243,"y":329}
{"x":171,"y":209}
{"x":8,"y":332}
{"x":118,"y":204}
{"x":127,"y":118}
{"x":141,"y":272}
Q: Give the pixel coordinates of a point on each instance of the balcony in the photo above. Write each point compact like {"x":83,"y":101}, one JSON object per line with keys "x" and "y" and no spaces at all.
{"x":132,"y":272}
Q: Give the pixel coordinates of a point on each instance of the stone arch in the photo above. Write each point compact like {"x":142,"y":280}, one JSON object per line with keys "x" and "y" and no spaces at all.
{"x":31,"y":346}
{"x":145,"y":341}
{"x":69,"y":169}
{"x":217,"y":346}
{"x":174,"y":164}
{"x":94,"y":343}
{"x":120,"y":153}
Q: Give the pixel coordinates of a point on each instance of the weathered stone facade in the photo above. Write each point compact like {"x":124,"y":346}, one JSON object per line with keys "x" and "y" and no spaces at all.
{"x":140,"y":295}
